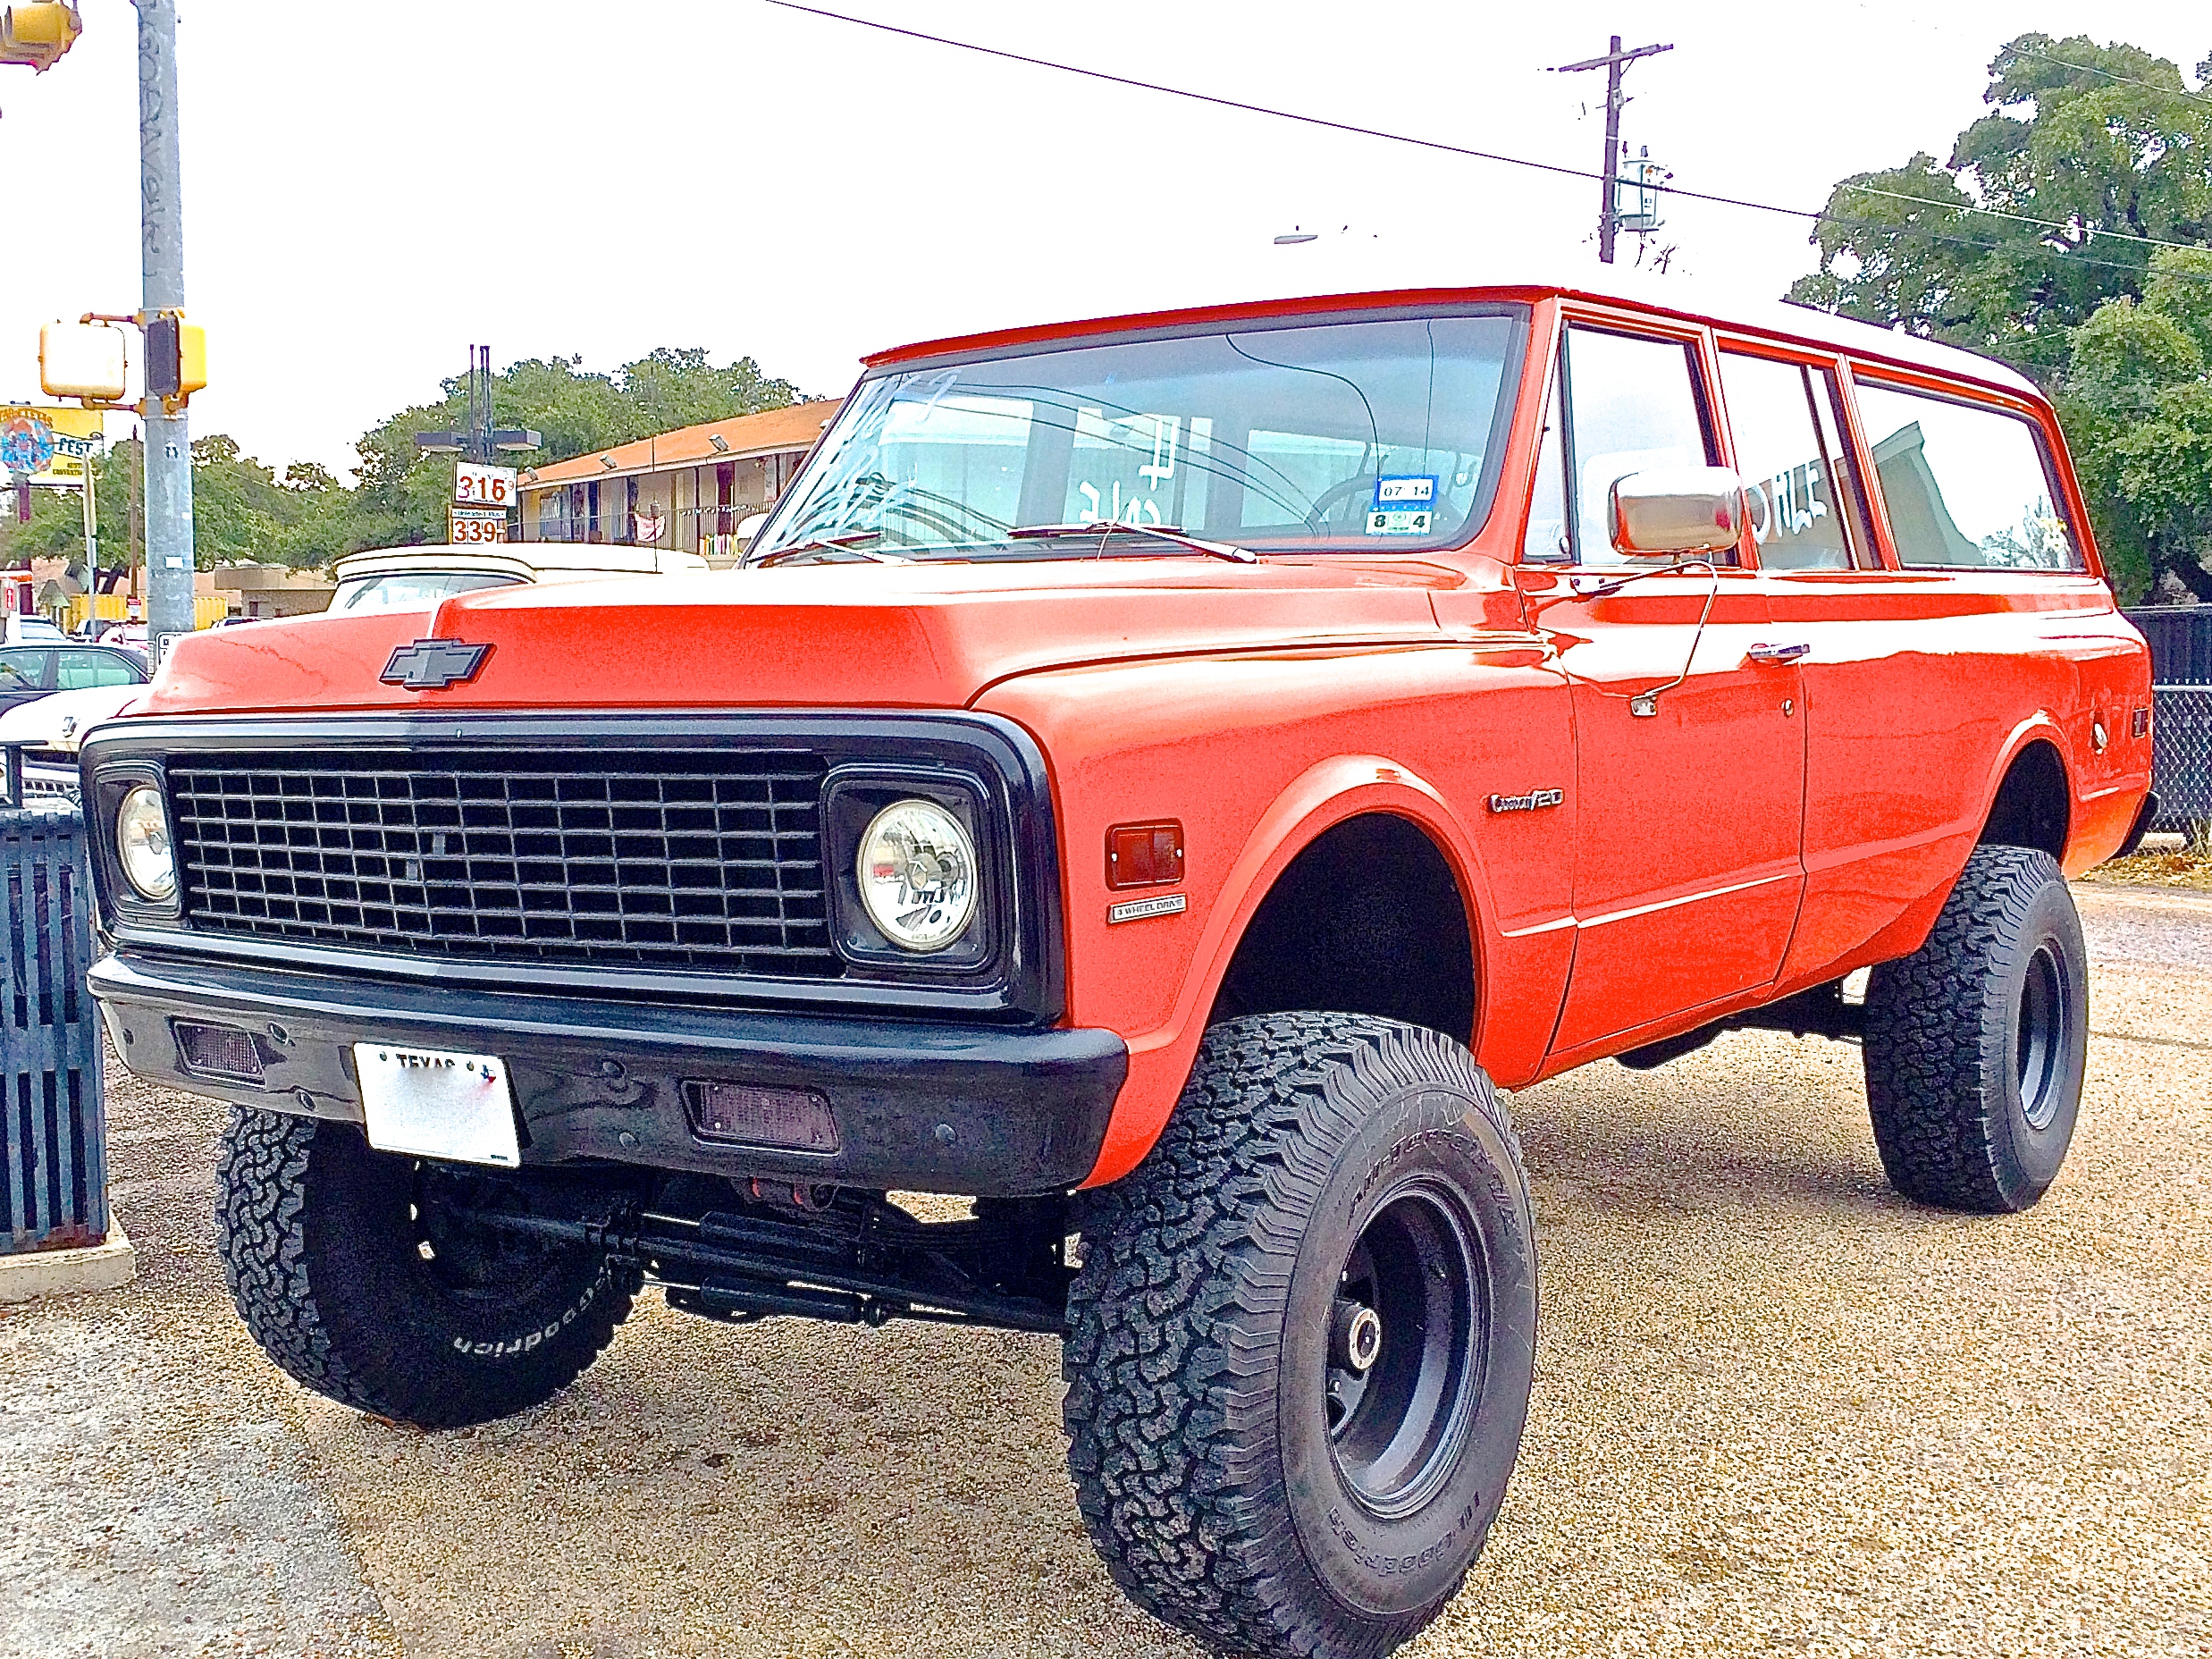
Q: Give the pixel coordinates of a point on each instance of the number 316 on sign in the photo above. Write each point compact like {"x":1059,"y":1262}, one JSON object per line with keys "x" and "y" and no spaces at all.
{"x":479,"y":485}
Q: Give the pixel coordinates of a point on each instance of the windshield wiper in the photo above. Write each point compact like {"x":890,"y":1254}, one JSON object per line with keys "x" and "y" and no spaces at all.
{"x":1158,"y":532}
{"x":849,"y":542}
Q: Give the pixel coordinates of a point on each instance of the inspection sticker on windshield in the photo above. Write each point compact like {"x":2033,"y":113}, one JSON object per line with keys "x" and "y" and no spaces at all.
{"x":433,"y":1104}
{"x":1404,"y":505}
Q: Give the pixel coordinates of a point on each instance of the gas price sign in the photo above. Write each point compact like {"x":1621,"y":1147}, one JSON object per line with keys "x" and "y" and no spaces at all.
{"x":476,"y":486}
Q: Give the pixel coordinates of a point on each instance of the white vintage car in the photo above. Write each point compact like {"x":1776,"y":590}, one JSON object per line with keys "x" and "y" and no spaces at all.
{"x":49,"y":728}
{"x":408,"y":578}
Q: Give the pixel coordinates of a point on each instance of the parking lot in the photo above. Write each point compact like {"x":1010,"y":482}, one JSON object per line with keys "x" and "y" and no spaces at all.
{"x":1776,"y":1410}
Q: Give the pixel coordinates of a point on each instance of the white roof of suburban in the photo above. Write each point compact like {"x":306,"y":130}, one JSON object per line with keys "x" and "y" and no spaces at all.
{"x":1723,"y":303}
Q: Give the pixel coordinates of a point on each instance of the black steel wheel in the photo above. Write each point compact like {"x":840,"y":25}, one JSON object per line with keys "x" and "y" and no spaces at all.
{"x":1407,"y":1335}
{"x":1300,"y":1343}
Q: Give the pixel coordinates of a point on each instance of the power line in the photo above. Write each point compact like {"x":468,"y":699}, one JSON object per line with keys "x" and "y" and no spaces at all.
{"x":2017,"y":218}
{"x":1438,"y":145}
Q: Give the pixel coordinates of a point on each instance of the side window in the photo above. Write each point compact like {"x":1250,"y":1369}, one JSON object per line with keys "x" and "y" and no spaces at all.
{"x":22,"y":671}
{"x":1828,"y":404}
{"x":1965,"y":487}
{"x":1546,"y":541}
{"x":74,"y":671}
{"x":1632,"y":406}
{"x":1793,"y":470}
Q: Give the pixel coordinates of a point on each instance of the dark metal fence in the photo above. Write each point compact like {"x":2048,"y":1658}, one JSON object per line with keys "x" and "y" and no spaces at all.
{"x":2180,"y":637}
{"x":2182,"y":754}
{"x":53,"y":1121}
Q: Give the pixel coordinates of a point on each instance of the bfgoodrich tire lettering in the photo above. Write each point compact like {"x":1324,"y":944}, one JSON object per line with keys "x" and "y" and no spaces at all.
{"x":1977,"y":1041}
{"x":349,"y":1282}
{"x":1243,"y":1478}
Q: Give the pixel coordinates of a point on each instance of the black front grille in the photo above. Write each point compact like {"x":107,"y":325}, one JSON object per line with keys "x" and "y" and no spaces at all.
{"x":683,"y":859}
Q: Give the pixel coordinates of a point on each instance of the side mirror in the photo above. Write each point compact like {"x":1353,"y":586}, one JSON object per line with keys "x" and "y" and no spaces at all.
{"x":1678,"y":510}
{"x":750,"y":526}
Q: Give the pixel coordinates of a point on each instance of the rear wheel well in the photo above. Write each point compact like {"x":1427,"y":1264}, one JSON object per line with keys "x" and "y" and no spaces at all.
{"x":2032,"y":806}
{"x":1367,"y":919}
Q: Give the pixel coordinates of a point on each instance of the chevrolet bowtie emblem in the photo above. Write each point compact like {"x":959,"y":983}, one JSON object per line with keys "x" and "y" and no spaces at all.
{"x":434,"y":664}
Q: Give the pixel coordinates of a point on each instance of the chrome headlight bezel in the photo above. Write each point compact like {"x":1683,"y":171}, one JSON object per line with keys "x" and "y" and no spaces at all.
{"x":145,"y":846}
{"x":103,"y":793}
{"x":854,"y":800}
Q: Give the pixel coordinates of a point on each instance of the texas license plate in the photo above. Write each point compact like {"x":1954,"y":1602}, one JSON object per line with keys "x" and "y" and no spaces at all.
{"x":434,"y":1104}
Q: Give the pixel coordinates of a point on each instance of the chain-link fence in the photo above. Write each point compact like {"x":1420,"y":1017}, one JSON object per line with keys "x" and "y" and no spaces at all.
{"x":2182,"y":747}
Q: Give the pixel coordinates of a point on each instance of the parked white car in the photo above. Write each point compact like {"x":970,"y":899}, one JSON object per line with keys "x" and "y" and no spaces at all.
{"x":49,"y":729}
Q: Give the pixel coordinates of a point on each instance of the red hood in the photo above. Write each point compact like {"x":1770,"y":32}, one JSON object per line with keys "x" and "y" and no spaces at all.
{"x":837,"y":636}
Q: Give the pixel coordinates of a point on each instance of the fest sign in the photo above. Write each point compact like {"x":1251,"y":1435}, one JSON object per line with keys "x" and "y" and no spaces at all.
{"x":51,"y":444}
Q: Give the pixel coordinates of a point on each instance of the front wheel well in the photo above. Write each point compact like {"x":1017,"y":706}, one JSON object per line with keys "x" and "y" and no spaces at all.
{"x":1367,"y":919}
{"x":2033,"y":807}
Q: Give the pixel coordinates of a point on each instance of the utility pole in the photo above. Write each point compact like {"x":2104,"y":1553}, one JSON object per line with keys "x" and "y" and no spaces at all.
{"x":1612,"y":63}
{"x":169,"y":609}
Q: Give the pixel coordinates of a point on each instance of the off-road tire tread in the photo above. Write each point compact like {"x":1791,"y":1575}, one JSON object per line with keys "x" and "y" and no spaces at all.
{"x":1935,"y":1125}
{"x":1170,"y":1433}
{"x":261,"y":1190}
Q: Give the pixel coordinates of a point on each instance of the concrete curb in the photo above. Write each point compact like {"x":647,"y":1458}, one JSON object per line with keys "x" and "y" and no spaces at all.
{"x":66,"y":1271}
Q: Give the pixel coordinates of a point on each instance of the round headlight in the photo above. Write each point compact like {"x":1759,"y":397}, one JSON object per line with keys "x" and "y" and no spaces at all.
{"x":142,"y":842}
{"x":917,"y":875}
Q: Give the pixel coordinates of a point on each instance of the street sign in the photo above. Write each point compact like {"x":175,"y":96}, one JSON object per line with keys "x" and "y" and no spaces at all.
{"x":464,"y":525}
{"x":476,"y":486}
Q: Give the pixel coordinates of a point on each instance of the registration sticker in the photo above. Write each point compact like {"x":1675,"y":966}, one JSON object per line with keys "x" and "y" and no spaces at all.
{"x":432,"y":1103}
{"x":1420,"y":522}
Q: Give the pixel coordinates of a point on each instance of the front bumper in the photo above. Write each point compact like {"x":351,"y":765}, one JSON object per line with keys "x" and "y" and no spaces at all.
{"x":921,"y":1105}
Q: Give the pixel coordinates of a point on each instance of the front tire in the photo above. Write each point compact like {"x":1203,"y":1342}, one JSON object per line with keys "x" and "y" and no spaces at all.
{"x":1976,"y":1043}
{"x":351,"y":1276}
{"x":1300,"y":1343}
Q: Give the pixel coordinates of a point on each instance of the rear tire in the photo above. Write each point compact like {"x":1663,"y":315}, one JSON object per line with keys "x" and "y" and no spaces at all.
{"x":1300,"y":1343}
{"x":1976,"y":1043}
{"x":351,"y":1280}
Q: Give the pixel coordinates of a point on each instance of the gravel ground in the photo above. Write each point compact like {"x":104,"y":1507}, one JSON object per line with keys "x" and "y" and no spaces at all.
{"x":1776,"y":1408}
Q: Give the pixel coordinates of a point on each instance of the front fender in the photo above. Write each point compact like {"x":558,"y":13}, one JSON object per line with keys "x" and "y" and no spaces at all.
{"x":1327,"y":794}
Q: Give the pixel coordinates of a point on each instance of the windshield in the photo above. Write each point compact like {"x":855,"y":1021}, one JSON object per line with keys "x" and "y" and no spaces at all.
{"x":1371,"y":435}
{"x":412,"y":590}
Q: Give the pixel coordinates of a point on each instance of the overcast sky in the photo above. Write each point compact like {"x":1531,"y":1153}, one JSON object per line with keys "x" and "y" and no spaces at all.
{"x":368,"y":188}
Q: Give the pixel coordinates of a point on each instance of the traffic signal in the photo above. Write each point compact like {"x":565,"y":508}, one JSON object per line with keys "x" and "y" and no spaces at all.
{"x":81,"y":360}
{"x":36,"y":35}
{"x":176,"y":357}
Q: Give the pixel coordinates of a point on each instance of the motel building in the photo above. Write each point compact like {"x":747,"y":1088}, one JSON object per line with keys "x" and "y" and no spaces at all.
{"x":687,"y":491}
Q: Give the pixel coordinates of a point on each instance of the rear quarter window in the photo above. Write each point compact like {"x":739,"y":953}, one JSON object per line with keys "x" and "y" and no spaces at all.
{"x":1965,"y":487}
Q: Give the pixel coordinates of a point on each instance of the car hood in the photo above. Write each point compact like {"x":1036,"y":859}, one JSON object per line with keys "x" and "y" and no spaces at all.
{"x":839,"y":636}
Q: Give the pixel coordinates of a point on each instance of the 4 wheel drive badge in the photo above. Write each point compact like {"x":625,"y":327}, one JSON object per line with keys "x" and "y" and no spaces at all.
{"x":1527,"y":803}
{"x":1142,"y":909}
{"x":434,"y":664}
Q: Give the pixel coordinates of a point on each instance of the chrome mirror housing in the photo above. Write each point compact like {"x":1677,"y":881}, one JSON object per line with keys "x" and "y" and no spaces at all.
{"x":1676,"y":509}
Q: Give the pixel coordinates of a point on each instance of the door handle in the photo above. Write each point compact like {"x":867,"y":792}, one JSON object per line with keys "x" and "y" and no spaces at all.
{"x":1777,"y":654}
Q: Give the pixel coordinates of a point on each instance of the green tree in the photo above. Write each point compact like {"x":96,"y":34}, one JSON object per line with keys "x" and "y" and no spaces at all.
{"x":2106,"y":141}
{"x":56,"y":526}
{"x":2136,"y":398}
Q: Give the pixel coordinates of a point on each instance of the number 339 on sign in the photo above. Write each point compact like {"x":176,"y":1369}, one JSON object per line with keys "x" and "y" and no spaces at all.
{"x":465,"y":524}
